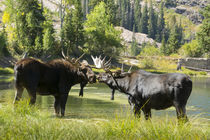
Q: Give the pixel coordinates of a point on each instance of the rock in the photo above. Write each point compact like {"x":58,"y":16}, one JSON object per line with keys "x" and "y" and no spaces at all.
{"x":194,"y":3}
{"x":141,"y":38}
{"x":191,"y":8}
{"x":180,"y":9}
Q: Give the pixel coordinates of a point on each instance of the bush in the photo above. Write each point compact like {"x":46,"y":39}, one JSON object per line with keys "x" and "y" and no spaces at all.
{"x":3,"y":44}
{"x":150,"y":51}
{"x":191,"y":49}
{"x":203,"y":73}
{"x":147,"y":63}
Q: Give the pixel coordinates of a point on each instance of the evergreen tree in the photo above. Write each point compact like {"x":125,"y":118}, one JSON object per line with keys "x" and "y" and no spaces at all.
{"x":160,"y":24}
{"x":204,"y":33}
{"x":134,"y":45}
{"x":137,"y":14}
{"x":163,"y":48}
{"x":29,"y":21}
{"x":3,"y":44}
{"x":173,"y":42}
{"x":130,"y":16}
{"x":48,"y":38}
{"x":73,"y":31}
{"x":180,"y":32}
{"x":175,"y":37}
{"x":144,"y":20}
{"x":152,"y":22}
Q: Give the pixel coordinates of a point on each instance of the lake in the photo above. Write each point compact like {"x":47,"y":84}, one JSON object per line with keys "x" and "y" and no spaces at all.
{"x":96,"y":102}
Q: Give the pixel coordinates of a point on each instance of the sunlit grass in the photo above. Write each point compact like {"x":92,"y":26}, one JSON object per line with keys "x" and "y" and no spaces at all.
{"x":28,"y":122}
{"x":6,"y":79}
{"x":6,"y":70}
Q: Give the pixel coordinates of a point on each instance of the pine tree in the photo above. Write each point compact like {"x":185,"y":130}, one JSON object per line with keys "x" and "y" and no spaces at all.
{"x":3,"y":44}
{"x":134,"y":44}
{"x":131,"y":16}
{"x":163,"y":48}
{"x":48,"y":38}
{"x":29,"y":22}
{"x":137,"y":14}
{"x":160,"y":24}
{"x":72,"y":31}
{"x":152,"y":22}
{"x":204,"y":33}
{"x":144,"y":20}
{"x":173,"y":42}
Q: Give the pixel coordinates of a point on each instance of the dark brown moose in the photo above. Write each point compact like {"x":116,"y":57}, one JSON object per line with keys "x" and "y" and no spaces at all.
{"x":55,"y":78}
{"x":148,"y":91}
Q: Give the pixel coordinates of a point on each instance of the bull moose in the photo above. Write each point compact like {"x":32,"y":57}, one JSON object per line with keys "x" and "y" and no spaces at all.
{"x":55,"y":77}
{"x":148,"y":91}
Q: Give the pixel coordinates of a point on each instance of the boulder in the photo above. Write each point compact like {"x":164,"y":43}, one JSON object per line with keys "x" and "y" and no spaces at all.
{"x":141,"y":38}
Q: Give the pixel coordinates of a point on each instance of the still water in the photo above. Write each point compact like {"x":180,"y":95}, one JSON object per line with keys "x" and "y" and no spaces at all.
{"x":96,"y":102}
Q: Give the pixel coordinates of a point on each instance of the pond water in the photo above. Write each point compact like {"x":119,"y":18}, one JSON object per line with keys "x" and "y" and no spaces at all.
{"x":96,"y":102}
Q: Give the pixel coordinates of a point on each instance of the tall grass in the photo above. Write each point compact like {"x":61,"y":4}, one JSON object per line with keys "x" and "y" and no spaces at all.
{"x":23,"y":121}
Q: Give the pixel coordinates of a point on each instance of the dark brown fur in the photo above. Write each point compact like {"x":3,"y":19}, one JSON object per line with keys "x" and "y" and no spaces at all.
{"x":52,"y":78}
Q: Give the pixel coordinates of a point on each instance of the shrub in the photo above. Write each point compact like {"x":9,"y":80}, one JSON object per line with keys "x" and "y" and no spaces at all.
{"x":147,"y":63}
{"x":150,"y":51}
{"x":203,"y":73}
{"x":191,"y":49}
{"x":3,"y":44}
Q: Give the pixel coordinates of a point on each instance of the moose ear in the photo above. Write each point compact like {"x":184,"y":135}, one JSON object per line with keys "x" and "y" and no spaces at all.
{"x":83,"y":69}
{"x":117,"y":73}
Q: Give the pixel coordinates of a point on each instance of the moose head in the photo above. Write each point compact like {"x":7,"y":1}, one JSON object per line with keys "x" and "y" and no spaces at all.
{"x":83,"y":67}
{"x":108,"y":76}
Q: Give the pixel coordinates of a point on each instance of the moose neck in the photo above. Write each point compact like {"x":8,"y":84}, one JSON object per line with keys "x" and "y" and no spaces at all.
{"x":122,"y":84}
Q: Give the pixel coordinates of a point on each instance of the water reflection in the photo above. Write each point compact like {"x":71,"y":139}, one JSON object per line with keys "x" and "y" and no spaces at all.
{"x":96,"y":102}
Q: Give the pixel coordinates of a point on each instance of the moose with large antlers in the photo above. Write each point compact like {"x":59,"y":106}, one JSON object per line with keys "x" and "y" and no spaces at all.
{"x":55,"y":77}
{"x":148,"y":91}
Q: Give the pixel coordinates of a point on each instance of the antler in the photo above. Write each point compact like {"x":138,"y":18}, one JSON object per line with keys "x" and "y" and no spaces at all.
{"x":100,"y":63}
{"x":130,"y":69}
{"x":122,"y":68}
{"x":77,"y":60}
{"x":64,"y":56}
{"x":24,"y":55}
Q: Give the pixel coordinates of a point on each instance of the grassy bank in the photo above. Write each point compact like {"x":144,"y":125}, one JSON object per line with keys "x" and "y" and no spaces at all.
{"x":26,"y":122}
{"x":161,"y":64}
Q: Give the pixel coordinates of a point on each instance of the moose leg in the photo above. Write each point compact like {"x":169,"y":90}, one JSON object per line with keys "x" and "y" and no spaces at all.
{"x":82,"y":85}
{"x":18,"y":94}
{"x":181,"y":112}
{"x":137,"y":111}
{"x":57,"y":105}
{"x":113,"y":91}
{"x":32,"y":95}
{"x":147,"y":113}
{"x":63,"y":101}
{"x":135,"y":107}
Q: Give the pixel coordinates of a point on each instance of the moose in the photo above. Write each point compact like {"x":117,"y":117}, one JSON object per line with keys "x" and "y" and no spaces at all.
{"x":148,"y":91}
{"x":55,"y":77}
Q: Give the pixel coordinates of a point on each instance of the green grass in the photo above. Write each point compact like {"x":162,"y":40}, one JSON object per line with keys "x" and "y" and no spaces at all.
{"x":6,"y":79}
{"x":6,"y":71}
{"x":25,"y":122}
